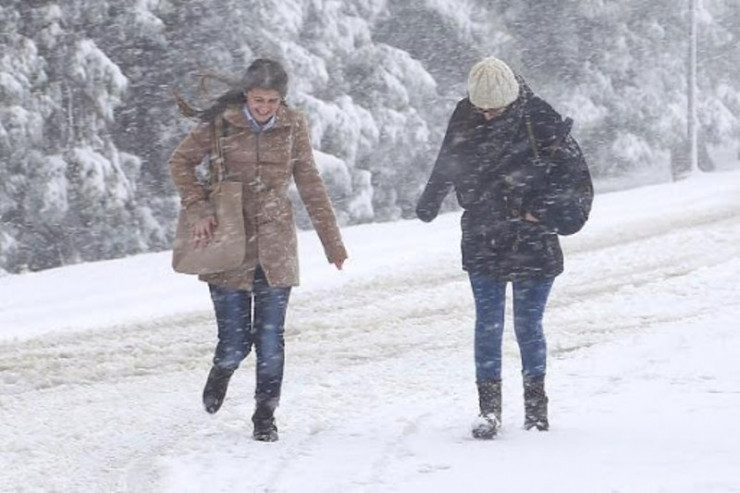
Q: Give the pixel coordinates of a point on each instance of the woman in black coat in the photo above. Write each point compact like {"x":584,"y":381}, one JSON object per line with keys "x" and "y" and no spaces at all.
{"x":521,"y":180}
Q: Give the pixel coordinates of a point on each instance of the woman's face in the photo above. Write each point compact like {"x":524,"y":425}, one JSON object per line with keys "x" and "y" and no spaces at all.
{"x":490,"y":113}
{"x":263,"y":103}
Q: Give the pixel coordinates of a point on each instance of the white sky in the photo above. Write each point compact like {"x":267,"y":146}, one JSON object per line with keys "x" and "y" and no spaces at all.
{"x":102,"y":366}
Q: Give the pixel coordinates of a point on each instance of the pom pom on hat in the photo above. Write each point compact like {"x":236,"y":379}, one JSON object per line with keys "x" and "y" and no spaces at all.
{"x":492,"y":84}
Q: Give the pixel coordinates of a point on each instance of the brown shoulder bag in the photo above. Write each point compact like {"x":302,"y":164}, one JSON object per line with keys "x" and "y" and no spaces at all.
{"x":227,"y":249}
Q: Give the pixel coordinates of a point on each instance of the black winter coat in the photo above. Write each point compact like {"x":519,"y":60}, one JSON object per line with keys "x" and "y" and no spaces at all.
{"x":497,"y":185}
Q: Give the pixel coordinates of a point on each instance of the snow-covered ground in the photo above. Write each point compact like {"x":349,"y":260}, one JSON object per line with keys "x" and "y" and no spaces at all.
{"x":102,"y":365}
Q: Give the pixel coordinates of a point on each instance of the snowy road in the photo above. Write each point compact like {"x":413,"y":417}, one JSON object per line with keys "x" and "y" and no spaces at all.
{"x":379,"y":390}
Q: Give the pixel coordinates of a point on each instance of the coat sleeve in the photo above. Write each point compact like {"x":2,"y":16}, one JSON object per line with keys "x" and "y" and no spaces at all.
{"x":186,"y":157}
{"x":313,"y":193}
{"x":442,"y":178}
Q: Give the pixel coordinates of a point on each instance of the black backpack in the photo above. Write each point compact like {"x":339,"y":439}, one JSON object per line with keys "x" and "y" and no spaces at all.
{"x":561,"y":192}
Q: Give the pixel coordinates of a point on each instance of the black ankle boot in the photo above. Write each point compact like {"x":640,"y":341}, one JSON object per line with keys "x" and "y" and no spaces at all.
{"x":535,"y":404}
{"x":215,"y":389}
{"x":265,"y":429}
{"x":489,"y":400}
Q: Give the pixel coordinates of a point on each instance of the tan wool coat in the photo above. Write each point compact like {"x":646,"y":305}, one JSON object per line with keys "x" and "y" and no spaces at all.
{"x":265,"y":163}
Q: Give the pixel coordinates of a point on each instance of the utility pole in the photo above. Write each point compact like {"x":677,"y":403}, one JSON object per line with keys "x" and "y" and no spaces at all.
{"x":692,"y":129}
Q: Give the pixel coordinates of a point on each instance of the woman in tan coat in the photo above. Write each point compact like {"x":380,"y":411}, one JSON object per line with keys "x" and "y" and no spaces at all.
{"x":265,"y":145}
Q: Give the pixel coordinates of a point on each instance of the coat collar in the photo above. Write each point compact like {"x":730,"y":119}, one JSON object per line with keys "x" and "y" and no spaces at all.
{"x":234,"y":115}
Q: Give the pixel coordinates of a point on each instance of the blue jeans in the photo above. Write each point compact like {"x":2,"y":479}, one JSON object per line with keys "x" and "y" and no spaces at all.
{"x":530,"y":298}
{"x":238,"y":330}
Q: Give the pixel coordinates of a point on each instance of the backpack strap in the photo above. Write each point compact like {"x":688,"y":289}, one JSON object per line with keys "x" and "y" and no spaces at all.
{"x":530,"y":133}
{"x":562,"y":133}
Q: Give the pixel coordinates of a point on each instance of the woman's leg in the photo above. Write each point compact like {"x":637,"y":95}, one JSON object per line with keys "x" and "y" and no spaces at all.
{"x":490,"y":297}
{"x":271,"y":304}
{"x":233,"y":317}
{"x":530,"y":299}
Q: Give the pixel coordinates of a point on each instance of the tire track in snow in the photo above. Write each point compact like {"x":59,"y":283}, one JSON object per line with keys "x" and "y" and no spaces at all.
{"x":590,"y":302}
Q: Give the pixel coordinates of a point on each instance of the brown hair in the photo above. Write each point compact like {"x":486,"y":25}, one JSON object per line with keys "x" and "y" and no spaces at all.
{"x":263,"y":73}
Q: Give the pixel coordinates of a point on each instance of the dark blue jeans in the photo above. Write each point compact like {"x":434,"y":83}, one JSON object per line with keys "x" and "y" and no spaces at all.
{"x":238,"y":330}
{"x":530,"y":298}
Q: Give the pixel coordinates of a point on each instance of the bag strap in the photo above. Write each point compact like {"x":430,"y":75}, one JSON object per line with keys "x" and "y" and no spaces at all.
{"x":532,"y":140}
{"x":562,"y":133}
{"x":217,"y":155}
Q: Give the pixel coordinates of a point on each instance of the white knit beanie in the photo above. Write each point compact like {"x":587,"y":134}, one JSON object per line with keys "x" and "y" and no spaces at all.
{"x":492,"y":84}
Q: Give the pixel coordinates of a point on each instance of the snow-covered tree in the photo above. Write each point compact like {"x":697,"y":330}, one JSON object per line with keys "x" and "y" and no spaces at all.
{"x":68,"y":194}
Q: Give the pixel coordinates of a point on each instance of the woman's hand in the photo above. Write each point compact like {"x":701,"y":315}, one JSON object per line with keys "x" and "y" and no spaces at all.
{"x":530,"y":218}
{"x":339,"y":262}
{"x":203,"y":231}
